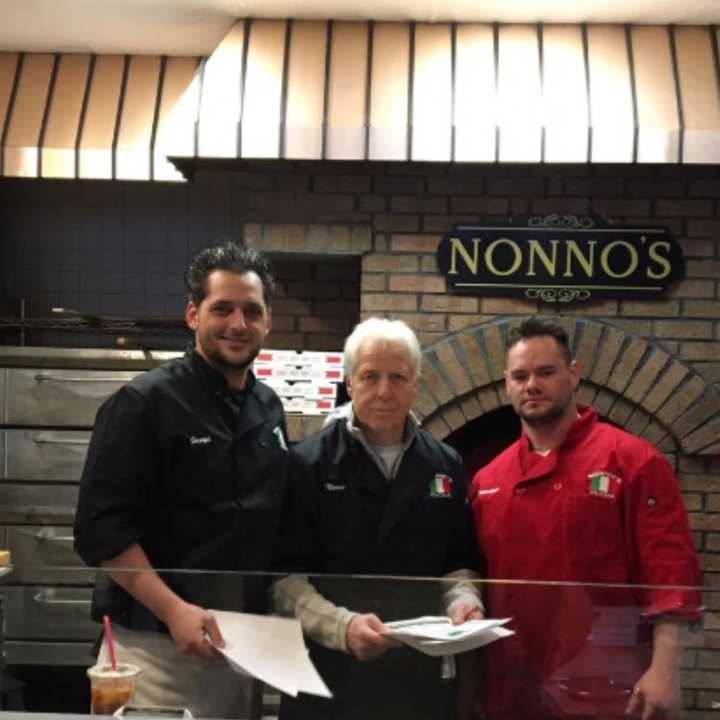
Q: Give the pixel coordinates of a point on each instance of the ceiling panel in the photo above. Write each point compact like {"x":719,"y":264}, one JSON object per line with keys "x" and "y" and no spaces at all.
{"x":195,"y":27}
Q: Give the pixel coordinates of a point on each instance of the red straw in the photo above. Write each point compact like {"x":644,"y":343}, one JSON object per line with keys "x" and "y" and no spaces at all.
{"x":109,"y":641}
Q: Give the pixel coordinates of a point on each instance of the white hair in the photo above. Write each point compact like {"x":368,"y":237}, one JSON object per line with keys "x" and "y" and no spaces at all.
{"x":391,"y":331}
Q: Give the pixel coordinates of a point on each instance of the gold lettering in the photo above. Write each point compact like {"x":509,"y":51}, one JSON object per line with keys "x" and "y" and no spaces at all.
{"x":587,"y":263}
{"x":489,"y":256}
{"x":662,"y":261}
{"x":537,"y":249}
{"x":456,"y":246}
{"x":605,"y":254}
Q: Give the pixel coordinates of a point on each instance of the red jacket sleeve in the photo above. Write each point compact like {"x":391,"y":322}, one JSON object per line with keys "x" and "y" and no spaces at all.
{"x":660,"y":546}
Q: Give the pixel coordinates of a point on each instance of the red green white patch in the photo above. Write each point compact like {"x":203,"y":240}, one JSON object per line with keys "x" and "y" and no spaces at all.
{"x":604,"y":484}
{"x":441,"y":486}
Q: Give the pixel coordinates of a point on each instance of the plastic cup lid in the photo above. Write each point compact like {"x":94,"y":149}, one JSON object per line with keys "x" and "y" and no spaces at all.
{"x":105,"y":670}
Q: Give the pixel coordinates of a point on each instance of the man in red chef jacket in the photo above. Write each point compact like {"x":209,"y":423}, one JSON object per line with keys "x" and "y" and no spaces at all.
{"x":583,"y":511}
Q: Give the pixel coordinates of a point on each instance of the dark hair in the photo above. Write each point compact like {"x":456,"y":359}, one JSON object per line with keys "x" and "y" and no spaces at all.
{"x":537,"y":327}
{"x":234,"y":258}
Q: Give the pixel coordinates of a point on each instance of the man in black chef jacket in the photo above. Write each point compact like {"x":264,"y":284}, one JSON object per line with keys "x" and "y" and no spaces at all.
{"x":186,"y":470}
{"x":374,"y":494}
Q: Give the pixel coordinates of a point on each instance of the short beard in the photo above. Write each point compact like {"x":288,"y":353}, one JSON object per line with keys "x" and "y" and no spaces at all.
{"x":549,"y":417}
{"x":220,"y":362}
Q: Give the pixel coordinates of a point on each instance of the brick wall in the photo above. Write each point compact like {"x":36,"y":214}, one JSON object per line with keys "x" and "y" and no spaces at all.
{"x":120,"y":248}
{"x":316,"y":305}
{"x":653,"y":365}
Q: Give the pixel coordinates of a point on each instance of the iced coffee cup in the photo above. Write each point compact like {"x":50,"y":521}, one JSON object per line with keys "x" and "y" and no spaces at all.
{"x":111,"y":689}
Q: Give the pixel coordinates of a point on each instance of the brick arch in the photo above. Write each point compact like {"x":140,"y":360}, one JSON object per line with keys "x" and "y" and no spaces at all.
{"x":629,"y":380}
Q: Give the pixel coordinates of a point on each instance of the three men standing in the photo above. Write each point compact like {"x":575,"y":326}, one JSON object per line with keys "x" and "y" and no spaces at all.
{"x":187,"y":469}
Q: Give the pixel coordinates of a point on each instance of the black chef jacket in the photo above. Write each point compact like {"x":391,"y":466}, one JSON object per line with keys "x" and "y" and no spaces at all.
{"x":193,"y":472}
{"x":350,"y":520}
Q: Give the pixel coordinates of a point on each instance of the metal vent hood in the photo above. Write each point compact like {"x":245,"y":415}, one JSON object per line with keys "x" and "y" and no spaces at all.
{"x":89,"y":116}
{"x":387,"y":91}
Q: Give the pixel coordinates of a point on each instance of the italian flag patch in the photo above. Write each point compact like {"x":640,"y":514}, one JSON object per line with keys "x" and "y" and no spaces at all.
{"x":441,"y":486}
{"x":604,"y":484}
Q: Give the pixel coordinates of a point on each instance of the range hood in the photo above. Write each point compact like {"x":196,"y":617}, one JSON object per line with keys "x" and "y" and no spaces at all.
{"x":386,"y":91}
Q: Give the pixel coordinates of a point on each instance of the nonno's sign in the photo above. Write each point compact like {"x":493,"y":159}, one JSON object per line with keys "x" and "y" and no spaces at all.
{"x":560,"y":259}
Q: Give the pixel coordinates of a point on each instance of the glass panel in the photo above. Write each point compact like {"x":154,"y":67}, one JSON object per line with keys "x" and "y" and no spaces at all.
{"x":559,"y":651}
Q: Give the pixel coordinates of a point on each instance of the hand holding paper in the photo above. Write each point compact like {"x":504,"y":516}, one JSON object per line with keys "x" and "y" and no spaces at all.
{"x":438,"y":636}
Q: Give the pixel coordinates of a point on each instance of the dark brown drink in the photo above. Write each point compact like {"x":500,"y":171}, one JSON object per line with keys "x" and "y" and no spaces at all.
{"x":111,"y":689}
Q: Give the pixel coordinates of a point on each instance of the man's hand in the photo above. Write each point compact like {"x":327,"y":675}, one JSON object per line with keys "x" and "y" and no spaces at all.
{"x":194,"y":630}
{"x":656,"y":695}
{"x":462,"y":611}
{"x":364,"y":639}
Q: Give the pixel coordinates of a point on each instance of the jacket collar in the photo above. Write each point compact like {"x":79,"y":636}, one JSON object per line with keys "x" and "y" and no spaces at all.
{"x":244,"y":406}
{"x":415,"y":467}
{"x":587,"y":418}
{"x":214,"y":380}
{"x":356,"y":432}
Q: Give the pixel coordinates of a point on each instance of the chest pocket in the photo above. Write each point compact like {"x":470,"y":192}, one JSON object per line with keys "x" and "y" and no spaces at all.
{"x":348,"y":519}
{"x":486,"y":508}
{"x":422,"y":534}
{"x":199,"y":468}
{"x":594,"y":537}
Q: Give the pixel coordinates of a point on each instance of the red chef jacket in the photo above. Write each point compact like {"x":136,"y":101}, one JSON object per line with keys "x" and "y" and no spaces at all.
{"x":603,"y":508}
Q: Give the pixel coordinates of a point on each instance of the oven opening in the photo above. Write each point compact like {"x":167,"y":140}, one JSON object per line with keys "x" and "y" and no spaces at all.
{"x":480,"y":440}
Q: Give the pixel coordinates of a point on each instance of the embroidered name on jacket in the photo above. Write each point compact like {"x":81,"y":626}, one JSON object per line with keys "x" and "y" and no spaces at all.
{"x":487,"y":491}
{"x":195,"y":440}
{"x":333,"y":487}
{"x":604,"y":484}
{"x":441,"y":486}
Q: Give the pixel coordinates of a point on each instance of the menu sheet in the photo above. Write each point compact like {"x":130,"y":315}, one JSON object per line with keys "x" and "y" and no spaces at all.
{"x":270,"y":649}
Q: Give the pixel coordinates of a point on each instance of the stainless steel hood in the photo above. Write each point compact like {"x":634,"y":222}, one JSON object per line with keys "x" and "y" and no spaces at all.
{"x":386,"y":91}
{"x":467,"y":92}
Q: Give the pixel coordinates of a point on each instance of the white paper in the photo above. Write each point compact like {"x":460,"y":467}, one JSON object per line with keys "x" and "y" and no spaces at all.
{"x":271,"y":649}
{"x":438,"y":636}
